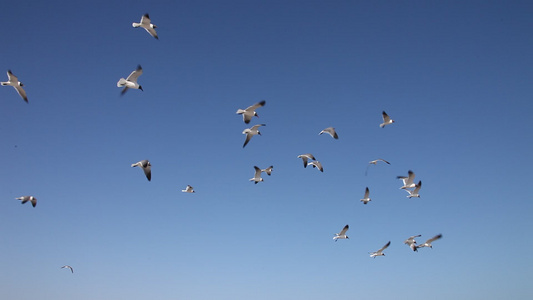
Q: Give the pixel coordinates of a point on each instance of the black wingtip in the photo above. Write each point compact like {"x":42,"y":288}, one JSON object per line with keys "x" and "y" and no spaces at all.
{"x":262,"y":103}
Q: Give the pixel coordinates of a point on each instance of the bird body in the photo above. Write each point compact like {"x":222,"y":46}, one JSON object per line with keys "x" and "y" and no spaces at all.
{"x":386,"y":120}
{"x":380,"y":251}
{"x":188,"y":189}
{"x":249,"y":112}
{"x":147,"y":25}
{"x":146,"y":166}
{"x":13,"y":81}
{"x":25,"y":199}
{"x":366,"y":197}
{"x":131,"y":81}
{"x":342,"y":234}
{"x":250,"y":132}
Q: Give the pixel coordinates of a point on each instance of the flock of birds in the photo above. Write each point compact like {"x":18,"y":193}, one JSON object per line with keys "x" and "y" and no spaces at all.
{"x":130,"y":82}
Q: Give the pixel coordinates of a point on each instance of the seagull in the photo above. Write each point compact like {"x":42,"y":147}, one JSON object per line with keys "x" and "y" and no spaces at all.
{"x":68,"y":267}
{"x":146,"y":24}
{"x":386,"y":120}
{"x":412,"y":243}
{"x":14,"y":82}
{"x":257,"y":175}
{"x":268,"y":170}
{"x":131,"y":81}
{"x":414,"y":193}
{"x":146,"y":166}
{"x":331,"y":131}
{"x":188,"y":189}
{"x":306,"y":157}
{"x":25,"y":199}
{"x":317,"y":164}
{"x":380,"y":251}
{"x":249,"y":113}
{"x":366,"y":199}
{"x":251,"y":132}
{"x":408,"y":181}
{"x":431,"y":240}
{"x":342,"y":234}
{"x":375,"y":162}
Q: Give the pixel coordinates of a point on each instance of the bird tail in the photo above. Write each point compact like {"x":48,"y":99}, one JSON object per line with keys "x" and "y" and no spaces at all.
{"x":4,"y":83}
{"x":121,"y":82}
{"x":136,"y":25}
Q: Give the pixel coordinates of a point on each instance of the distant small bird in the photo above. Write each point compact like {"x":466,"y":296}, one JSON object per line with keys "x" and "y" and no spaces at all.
{"x":412,"y":243}
{"x":251,"y":132}
{"x":331,"y":131}
{"x":386,"y":120}
{"x":14,"y":82}
{"x":131,"y":81}
{"x":306,"y":157}
{"x":415,"y":192}
{"x":380,"y":251}
{"x":147,"y":25}
{"x":268,"y":170}
{"x":188,"y":189}
{"x":257,"y":175}
{"x":316,"y":164}
{"x":68,"y":267}
{"x":366,"y":198}
{"x":146,"y":166}
{"x":342,"y":234}
{"x":249,"y":112}
{"x":408,"y":182}
{"x":25,"y":199}
{"x":375,"y":162}
{"x":431,"y":240}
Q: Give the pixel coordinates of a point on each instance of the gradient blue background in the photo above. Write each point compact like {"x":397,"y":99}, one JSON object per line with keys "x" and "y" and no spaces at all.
{"x":456,"y":76}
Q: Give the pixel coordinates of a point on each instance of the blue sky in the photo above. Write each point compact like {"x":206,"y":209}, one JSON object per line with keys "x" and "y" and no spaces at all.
{"x":454,"y":75}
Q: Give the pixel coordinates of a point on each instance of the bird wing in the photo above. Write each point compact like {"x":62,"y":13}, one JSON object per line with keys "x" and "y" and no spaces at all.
{"x":367,"y":192}
{"x":152,"y":32}
{"x":343,"y":231}
{"x":255,"y":106}
{"x":381,"y":159}
{"x":255,"y":127}
{"x":386,"y":117}
{"x":304,"y":159}
{"x":257,"y":172}
{"x":417,"y":188}
{"x":147,"y":168}
{"x":384,"y":247}
{"x":247,"y":117}
{"x":21,"y":92}
{"x":431,"y":240}
{"x":135,"y":74}
{"x":11,"y":78}
{"x":248,"y":138}
{"x":145,"y":20}
{"x":410,"y":178}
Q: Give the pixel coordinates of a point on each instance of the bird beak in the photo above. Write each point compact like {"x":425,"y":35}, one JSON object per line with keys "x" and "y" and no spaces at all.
{"x":259,"y":133}
{"x":141,"y":88}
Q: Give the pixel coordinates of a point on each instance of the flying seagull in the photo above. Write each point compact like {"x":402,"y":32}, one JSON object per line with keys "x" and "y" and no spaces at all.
{"x":188,"y":189}
{"x":414,"y":193}
{"x":412,"y":243}
{"x":306,"y":157}
{"x":268,"y":170}
{"x":386,"y":120}
{"x":342,"y":234}
{"x":366,"y":198}
{"x":331,"y":131}
{"x":14,"y":82}
{"x":251,"y":132}
{"x":131,"y":81}
{"x":408,"y":181}
{"x":380,"y":251}
{"x":249,"y":113}
{"x":257,"y":175}
{"x":375,"y":162}
{"x":146,"y":24}
{"x":68,"y":267}
{"x":431,"y":240}
{"x":146,"y":166}
{"x":316,"y":164}
{"x":25,"y":199}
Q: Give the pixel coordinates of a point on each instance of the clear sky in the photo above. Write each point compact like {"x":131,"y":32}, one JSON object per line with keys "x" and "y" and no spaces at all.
{"x":456,"y":76}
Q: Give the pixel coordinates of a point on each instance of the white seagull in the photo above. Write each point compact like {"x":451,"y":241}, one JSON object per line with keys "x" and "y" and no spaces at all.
{"x":414,"y":193}
{"x":25,"y":199}
{"x":249,"y":113}
{"x":306,"y":157}
{"x":188,"y":189}
{"x":380,"y":251}
{"x":257,"y":175}
{"x":342,"y":234}
{"x":408,"y":182}
{"x":268,"y":170}
{"x":68,"y":267}
{"x":411,"y":242}
{"x":431,"y":240}
{"x":251,"y":132}
{"x":146,"y":166}
{"x":316,"y":164}
{"x":331,"y":131}
{"x":146,"y":24}
{"x":375,"y":162}
{"x":14,"y":82}
{"x":366,"y":198}
{"x":386,"y":120}
{"x":131,"y":81}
